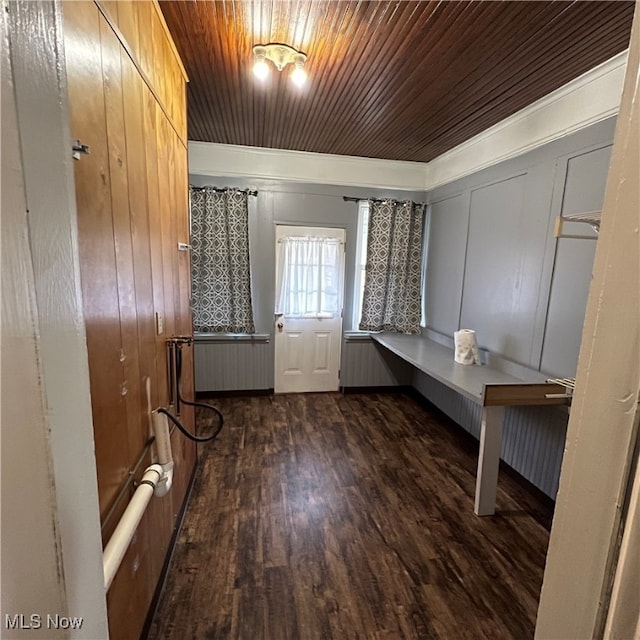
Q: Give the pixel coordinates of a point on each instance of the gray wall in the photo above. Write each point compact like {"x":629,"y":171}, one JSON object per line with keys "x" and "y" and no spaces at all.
{"x":280,"y":202}
{"x":365,"y":363}
{"x":493,"y":265}
{"x":584,"y":177}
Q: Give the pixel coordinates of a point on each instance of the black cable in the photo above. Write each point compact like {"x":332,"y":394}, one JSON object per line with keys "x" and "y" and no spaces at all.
{"x":185,"y":432}
{"x":202,"y":405}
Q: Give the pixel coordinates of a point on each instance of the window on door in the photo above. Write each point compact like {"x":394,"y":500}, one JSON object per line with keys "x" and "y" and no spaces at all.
{"x":310,"y":277}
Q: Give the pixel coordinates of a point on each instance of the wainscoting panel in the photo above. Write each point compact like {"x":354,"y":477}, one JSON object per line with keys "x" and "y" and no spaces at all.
{"x":533,"y":444}
{"x":366,"y":364}
{"x":461,"y":410}
{"x":234,"y":365}
{"x":532,"y":440}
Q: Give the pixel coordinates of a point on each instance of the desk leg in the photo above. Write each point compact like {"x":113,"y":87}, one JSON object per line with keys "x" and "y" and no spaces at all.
{"x":488,"y":461}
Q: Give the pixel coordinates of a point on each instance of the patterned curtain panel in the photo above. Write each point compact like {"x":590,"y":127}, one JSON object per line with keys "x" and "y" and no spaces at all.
{"x":221,"y":281}
{"x":393,"y":278}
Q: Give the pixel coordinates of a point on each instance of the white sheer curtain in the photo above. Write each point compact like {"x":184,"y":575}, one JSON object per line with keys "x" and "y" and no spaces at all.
{"x":309,"y":277}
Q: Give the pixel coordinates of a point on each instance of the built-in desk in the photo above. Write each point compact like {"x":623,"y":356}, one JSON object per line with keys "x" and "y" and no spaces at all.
{"x":487,"y":385}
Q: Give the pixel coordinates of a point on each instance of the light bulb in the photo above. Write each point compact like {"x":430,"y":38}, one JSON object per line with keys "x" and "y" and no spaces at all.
{"x":298,"y":76}
{"x":261,"y":69}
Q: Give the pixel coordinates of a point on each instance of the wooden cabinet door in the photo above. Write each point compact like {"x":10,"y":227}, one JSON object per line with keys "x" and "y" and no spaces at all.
{"x":132,"y":195}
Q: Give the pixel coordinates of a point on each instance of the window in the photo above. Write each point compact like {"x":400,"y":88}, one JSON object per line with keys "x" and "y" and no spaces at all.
{"x":361,"y":261}
{"x":310,"y":275}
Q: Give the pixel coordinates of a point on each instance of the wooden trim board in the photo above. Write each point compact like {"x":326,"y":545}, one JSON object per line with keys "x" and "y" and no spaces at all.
{"x":521,"y":394}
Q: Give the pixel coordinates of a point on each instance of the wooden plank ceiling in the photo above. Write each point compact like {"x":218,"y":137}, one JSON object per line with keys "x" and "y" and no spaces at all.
{"x":395,"y":80}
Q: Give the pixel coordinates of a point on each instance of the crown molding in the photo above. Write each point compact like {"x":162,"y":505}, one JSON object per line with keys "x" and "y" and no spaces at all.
{"x":212,"y":159}
{"x":587,"y":100}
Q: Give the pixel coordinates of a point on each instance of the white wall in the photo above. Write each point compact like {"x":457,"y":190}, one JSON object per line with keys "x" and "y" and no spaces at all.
{"x":32,"y":577}
{"x":602,"y":436}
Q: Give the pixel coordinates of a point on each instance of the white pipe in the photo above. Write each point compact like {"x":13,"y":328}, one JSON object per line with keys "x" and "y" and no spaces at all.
{"x":163,"y":452}
{"x":157,"y":480}
{"x":163,"y":439}
{"x":123,"y":534}
{"x":164,"y":485}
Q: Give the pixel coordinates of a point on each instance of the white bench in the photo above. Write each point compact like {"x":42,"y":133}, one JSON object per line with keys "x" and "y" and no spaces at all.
{"x":490,"y":387}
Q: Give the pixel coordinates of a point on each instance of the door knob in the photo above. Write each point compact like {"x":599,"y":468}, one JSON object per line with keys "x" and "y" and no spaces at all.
{"x":280,"y":326}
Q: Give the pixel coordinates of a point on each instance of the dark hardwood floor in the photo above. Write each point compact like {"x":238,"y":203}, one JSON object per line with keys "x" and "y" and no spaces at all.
{"x":349,"y":516}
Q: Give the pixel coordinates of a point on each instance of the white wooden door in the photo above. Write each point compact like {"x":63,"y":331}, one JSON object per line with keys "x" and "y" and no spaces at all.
{"x":308,"y":314}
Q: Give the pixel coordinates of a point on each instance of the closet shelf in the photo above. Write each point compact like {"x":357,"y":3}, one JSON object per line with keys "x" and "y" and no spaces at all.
{"x":592,"y":218}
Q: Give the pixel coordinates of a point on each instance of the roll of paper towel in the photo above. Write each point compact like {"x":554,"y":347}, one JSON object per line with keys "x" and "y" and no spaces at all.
{"x":466,"y":347}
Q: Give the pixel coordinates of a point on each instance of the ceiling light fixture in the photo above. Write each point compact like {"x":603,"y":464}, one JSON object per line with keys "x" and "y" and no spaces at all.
{"x":281,"y":55}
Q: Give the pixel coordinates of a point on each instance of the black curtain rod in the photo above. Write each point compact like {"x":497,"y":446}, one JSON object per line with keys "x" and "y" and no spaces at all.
{"x":352,"y":199}
{"x":249,"y":192}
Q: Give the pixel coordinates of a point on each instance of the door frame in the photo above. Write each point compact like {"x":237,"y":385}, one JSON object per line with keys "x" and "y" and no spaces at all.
{"x":339,"y":230}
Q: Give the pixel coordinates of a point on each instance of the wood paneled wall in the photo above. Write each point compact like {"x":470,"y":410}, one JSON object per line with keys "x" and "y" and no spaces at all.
{"x":127,"y":103}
